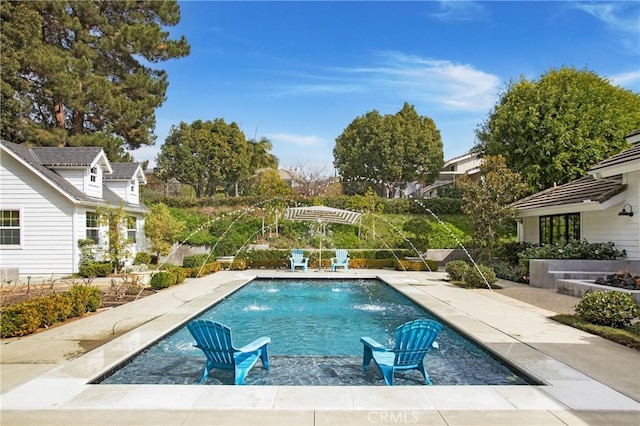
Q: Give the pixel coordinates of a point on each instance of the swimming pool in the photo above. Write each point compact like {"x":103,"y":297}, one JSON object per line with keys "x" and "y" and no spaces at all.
{"x":315,"y":326}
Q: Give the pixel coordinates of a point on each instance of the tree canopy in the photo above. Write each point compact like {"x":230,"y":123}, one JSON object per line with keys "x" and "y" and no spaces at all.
{"x":205,"y":155}
{"x":487,"y":202}
{"x":76,"y":68}
{"x":389,"y":150}
{"x":552,"y":130}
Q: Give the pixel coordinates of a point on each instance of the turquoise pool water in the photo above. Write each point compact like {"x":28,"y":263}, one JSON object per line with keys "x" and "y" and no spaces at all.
{"x":315,"y":328}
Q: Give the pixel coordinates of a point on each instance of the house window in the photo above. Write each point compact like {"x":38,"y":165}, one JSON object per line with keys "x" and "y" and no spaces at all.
{"x":132,"y":185}
{"x":9,"y":227}
{"x":93,"y":174}
{"x":93,"y":227}
{"x":132,"y":228}
{"x":562,"y":227}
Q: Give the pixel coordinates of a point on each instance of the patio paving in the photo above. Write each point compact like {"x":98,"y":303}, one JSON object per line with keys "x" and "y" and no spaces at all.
{"x":588,"y":380}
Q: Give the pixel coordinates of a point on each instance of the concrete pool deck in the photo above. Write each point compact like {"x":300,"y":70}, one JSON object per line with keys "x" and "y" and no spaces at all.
{"x":588,"y":380}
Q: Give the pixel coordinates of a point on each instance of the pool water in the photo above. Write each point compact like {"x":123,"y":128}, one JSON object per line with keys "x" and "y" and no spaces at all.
{"x":315,"y":328}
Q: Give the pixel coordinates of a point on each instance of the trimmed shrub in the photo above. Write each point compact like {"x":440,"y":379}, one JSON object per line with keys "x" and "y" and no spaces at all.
{"x":19,"y":320}
{"x":54,"y":308}
{"x":475,"y":277}
{"x":84,"y":299}
{"x":97,"y":269}
{"x":265,"y":263}
{"x":611,"y":308}
{"x":180,"y":273}
{"x":162,"y":279}
{"x":456,"y":269}
{"x":142,"y":258}
{"x":405,"y":265}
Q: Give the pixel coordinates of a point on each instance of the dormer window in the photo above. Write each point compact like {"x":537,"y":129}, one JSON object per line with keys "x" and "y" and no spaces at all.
{"x":93,"y":174}
{"x":132,"y":185}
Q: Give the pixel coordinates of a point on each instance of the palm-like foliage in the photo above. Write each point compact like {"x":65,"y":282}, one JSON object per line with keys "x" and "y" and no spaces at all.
{"x":260,"y":155}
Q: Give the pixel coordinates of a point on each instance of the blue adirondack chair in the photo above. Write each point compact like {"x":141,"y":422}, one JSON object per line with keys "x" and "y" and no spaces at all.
{"x":297,"y":259}
{"x":413,"y":340}
{"x":214,"y":339}
{"x":341,"y":259}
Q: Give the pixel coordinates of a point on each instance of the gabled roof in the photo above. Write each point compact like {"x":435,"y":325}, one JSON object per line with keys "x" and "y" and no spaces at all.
{"x":126,"y":171}
{"x":584,"y":190}
{"x":67,"y":156}
{"x":629,"y":157}
{"x":29,"y":158}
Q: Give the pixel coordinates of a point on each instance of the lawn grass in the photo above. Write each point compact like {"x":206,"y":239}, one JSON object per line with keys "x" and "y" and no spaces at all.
{"x":628,"y":336}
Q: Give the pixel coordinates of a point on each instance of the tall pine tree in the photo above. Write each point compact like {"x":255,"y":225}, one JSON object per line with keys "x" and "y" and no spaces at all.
{"x":80,"y":72}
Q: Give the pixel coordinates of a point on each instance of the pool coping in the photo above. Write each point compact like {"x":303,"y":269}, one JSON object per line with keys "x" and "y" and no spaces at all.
{"x":520,"y":335}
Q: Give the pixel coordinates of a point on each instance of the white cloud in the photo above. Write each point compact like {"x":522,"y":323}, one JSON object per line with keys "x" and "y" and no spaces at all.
{"x":456,"y":11}
{"x":293,"y":139}
{"x":622,"y":18}
{"x":630,"y":80}
{"x":453,"y":86}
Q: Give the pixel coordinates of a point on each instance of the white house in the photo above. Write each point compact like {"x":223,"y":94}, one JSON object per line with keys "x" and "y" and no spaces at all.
{"x":48,"y":202}
{"x":600,"y":207}
{"x":467,"y":164}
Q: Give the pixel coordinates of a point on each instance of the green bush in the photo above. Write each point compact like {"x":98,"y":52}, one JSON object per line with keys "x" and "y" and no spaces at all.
{"x":426,"y":265}
{"x":508,"y":271}
{"x":26,"y":317}
{"x":84,"y":299}
{"x":97,"y":269}
{"x":265,"y":263}
{"x":574,"y":249}
{"x":456,"y":269}
{"x":195,"y":260}
{"x":180,"y":273}
{"x":19,"y":319}
{"x":162,"y":279}
{"x":54,"y":308}
{"x":475,"y":277}
{"x":142,"y":258}
{"x":610,"y":308}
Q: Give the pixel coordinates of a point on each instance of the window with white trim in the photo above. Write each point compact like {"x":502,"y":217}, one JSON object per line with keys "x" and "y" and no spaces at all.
{"x":132,"y":228}
{"x":93,"y":174}
{"x":93,"y":227}
{"x":10,"y":227}
{"x":133,"y":185}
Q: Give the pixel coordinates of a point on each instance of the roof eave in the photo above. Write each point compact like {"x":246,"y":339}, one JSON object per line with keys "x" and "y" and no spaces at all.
{"x":26,"y":164}
{"x":584,"y":206}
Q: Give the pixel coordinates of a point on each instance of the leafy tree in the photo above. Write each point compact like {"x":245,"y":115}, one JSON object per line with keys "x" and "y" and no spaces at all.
{"x":388,"y":150}
{"x":205,"y":155}
{"x":554,"y":129}
{"x":268,"y":184}
{"x":76,"y":68}
{"x":116,"y":219}
{"x":486,"y":202}
{"x":161,"y":229}
{"x":260,"y":156}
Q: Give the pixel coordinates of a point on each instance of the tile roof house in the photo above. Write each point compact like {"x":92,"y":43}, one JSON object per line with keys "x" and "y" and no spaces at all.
{"x":600,"y":207}
{"x":48,"y":202}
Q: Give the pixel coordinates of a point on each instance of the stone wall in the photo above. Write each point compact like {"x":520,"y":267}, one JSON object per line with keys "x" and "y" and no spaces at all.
{"x":589,"y":270}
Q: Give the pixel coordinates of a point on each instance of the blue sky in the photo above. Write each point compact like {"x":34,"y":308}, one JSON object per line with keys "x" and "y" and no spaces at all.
{"x":299,"y":72}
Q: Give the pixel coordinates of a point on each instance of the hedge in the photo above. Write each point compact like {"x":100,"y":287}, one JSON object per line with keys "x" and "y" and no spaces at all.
{"x":27,"y":317}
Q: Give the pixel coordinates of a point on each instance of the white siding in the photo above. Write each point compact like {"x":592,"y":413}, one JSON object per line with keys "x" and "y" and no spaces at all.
{"x":624,"y":231}
{"x":531,"y":232}
{"x":123,"y":190}
{"x":47,"y":246}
